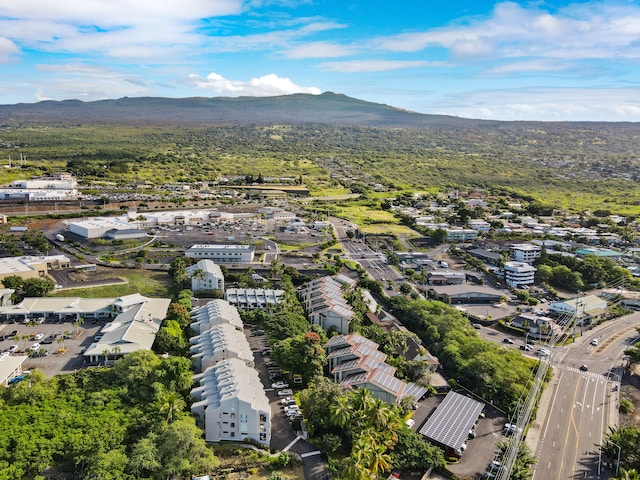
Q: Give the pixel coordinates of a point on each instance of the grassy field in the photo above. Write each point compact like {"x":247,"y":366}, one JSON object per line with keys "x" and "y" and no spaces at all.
{"x":144,"y":282}
{"x":365,"y":216}
{"x":396,"y":230}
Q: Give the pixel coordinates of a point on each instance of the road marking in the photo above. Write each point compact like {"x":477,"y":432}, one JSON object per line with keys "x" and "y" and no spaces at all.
{"x":604,"y":345}
{"x":566,"y":438}
{"x":310,"y":454}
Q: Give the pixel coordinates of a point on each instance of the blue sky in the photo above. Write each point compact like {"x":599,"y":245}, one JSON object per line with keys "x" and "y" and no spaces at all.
{"x":538,"y":60}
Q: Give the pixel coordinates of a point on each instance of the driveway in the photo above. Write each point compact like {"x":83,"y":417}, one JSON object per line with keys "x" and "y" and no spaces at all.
{"x":283,"y":438}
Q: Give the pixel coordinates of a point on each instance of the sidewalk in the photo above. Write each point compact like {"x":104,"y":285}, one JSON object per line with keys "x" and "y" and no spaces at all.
{"x":535,"y":429}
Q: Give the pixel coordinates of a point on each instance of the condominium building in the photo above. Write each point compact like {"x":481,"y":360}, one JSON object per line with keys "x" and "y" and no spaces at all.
{"x":222,"y":253}
{"x":525,"y":252}
{"x":519,"y":274}
{"x":230,"y":403}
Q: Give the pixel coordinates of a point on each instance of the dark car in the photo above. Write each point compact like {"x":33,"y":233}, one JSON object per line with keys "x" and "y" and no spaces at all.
{"x":507,"y":340}
{"x":584,"y":368}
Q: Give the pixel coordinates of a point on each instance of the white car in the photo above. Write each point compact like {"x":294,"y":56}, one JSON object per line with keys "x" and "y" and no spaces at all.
{"x":285,"y":393}
{"x":35,"y":347}
{"x":39,"y":336}
{"x":594,"y":342}
{"x":286,"y":400}
{"x":280,"y":385}
{"x":12,"y":348}
{"x":410,"y":422}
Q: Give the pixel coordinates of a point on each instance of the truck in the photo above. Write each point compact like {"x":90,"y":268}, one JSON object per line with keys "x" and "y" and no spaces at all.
{"x":60,"y":237}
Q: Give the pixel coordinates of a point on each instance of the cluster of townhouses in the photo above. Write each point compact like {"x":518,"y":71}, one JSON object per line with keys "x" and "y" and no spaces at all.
{"x":230,"y":403}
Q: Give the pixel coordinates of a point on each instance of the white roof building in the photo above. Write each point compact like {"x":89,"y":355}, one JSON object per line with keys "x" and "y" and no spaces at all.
{"x":518,"y":274}
{"x":253,"y":298}
{"x":97,"y":227}
{"x":215,"y":312}
{"x":219,"y":343}
{"x":230,"y":403}
{"x":221,"y":253}
{"x":525,"y":252}
{"x":10,"y":366}
{"x":32,"y":266}
{"x":206,"y":276}
{"x":324,"y":303}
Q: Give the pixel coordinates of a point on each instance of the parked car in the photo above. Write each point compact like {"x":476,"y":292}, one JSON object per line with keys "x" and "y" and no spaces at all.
{"x":38,"y":336}
{"x":284,"y":400}
{"x":12,"y":348}
{"x":285,"y":393}
{"x":280,"y":384}
{"x":35,"y":347}
{"x":410,"y":422}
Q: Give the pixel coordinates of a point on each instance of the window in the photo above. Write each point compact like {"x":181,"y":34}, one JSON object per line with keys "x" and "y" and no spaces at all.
{"x":233,"y":434}
{"x":263,"y":437}
{"x":263,"y":418}
{"x":233,"y":425}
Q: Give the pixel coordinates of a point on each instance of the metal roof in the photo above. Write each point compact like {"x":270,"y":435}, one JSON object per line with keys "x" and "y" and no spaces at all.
{"x":453,"y":419}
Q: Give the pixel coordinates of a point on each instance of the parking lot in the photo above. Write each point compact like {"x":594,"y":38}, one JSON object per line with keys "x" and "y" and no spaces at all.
{"x":53,"y":361}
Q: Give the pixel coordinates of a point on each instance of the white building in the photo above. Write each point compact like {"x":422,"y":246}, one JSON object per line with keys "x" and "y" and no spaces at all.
{"x":525,"y":252}
{"x":57,"y":181}
{"x":461,"y":234}
{"x":215,"y":312}
{"x":253,"y":298}
{"x":222,"y":253}
{"x":32,"y":266}
{"x":206,"y":276}
{"x":518,"y":274}
{"x":479,"y":225}
{"x":230,"y":403}
{"x":10,"y":366}
{"x":324,"y":303}
{"x":98,"y":227}
{"x":587,"y":307}
{"x":218,"y":343}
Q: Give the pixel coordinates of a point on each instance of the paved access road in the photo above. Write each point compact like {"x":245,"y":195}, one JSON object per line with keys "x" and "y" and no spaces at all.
{"x":584,"y":403}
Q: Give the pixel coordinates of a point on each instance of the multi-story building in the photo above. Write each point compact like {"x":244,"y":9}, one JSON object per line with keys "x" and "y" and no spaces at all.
{"x":461,"y":234}
{"x":324,"y":303}
{"x":356,"y":362}
{"x":230,"y":403}
{"x":219,"y":343}
{"x":525,"y":252}
{"x":215,"y":312}
{"x":222,"y":253}
{"x":206,"y":276}
{"x":253,"y":298}
{"x":519,"y":274}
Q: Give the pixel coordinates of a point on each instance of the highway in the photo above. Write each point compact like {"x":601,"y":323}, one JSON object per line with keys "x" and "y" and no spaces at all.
{"x":583,"y":403}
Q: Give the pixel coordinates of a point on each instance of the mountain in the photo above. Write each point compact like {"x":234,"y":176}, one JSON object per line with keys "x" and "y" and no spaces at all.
{"x":327,"y":108}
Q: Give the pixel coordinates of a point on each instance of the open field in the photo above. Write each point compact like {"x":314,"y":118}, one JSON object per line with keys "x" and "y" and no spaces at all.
{"x":144,"y":282}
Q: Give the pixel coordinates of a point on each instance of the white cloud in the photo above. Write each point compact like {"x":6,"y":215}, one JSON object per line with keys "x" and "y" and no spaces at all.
{"x":356,"y":66}
{"x":87,"y":82}
{"x":7,"y":49}
{"x":267,"y":85}
{"x":546,"y":104}
{"x":578,"y":31}
{"x":318,"y":50}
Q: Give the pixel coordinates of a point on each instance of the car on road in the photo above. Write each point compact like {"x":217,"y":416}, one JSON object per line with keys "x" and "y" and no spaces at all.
{"x":507,"y":340}
{"x":280,"y":384}
{"x":477,"y":326}
{"x":285,"y":393}
{"x":584,"y":368}
{"x":594,"y":342}
{"x":543,"y":352}
{"x":526,"y":347}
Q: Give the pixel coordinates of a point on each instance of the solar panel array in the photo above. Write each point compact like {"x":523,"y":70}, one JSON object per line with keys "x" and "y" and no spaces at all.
{"x":453,"y":419}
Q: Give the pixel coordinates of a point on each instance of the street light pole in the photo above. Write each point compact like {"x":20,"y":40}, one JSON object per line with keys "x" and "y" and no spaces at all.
{"x":618,"y":461}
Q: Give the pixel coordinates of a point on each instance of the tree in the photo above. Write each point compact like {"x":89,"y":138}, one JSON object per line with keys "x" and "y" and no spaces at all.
{"x":13,"y":282}
{"x":183,"y":452}
{"x":37,"y":287}
{"x":630,"y":474}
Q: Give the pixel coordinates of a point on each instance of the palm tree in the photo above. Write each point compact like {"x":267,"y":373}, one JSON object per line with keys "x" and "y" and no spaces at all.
{"x":341,"y":412}
{"x":631,"y":474}
{"x":76,"y":324}
{"x":171,"y":403}
{"x":116,"y":350}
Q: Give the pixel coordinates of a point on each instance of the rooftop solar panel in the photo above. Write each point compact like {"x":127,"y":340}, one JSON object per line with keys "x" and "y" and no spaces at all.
{"x":450,"y":424}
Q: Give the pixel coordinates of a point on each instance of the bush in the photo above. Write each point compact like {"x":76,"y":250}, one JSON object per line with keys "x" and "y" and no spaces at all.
{"x":626,"y":406}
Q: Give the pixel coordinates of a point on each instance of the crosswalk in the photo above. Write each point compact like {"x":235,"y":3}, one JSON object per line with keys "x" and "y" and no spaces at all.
{"x":597,"y":376}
